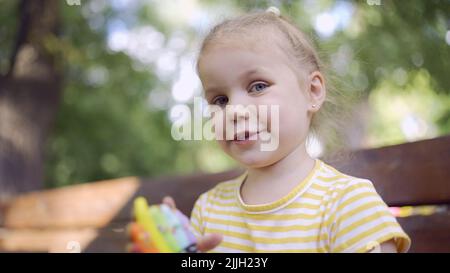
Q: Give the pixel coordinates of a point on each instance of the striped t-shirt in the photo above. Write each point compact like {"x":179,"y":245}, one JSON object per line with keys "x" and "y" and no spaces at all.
{"x":326,"y":212}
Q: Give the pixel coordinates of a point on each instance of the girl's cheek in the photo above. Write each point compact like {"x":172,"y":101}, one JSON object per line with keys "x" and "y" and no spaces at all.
{"x":216,"y":123}
{"x":223,"y":145}
{"x":222,"y":126}
{"x":265,"y":118}
{"x":219,"y":129}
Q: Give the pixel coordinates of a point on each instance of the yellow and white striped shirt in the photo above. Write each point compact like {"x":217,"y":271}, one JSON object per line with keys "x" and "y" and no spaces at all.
{"x":326,"y":212}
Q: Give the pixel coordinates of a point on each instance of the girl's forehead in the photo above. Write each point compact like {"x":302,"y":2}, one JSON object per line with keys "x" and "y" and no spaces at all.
{"x":264,"y":40}
{"x":224,"y":62}
{"x":232,"y":63}
{"x":240,"y":56}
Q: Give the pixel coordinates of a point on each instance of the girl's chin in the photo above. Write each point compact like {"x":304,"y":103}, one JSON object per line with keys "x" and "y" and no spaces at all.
{"x":254,"y":158}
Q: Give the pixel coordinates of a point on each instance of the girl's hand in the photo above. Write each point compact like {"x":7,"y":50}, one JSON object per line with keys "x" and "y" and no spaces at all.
{"x":204,"y":243}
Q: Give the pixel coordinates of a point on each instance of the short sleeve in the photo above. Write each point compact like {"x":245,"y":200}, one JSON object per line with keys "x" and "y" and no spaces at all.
{"x":362,"y":221}
{"x":197,"y":216}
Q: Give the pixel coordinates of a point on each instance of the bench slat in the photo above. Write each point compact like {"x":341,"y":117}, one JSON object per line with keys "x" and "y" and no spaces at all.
{"x":416,"y":173}
{"x":185,"y":190}
{"x":428,"y":233}
{"x":408,"y":174}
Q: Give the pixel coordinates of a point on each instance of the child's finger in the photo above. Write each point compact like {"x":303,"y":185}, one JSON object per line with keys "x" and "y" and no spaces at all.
{"x":134,"y":231}
{"x":209,"y":242}
{"x":169,"y":202}
{"x":133,"y":248}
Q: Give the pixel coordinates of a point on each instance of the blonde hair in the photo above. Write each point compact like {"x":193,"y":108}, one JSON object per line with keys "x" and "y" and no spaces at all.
{"x":327,"y":122}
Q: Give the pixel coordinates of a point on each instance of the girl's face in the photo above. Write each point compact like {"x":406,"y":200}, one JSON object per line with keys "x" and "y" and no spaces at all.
{"x":256,"y":78}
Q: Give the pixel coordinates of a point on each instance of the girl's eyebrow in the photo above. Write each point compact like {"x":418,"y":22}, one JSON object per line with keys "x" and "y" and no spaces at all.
{"x":250,"y":72}
{"x":213,"y":90}
{"x":241,"y":77}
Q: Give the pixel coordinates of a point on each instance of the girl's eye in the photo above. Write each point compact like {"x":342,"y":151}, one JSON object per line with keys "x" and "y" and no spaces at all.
{"x":258,"y":87}
{"x":220,"y":100}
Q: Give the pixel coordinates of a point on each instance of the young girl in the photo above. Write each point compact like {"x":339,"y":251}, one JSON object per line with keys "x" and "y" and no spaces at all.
{"x":286,"y":201}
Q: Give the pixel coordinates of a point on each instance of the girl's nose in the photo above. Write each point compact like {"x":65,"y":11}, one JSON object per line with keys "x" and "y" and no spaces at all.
{"x":239,"y":114}
{"x":240,"y":107}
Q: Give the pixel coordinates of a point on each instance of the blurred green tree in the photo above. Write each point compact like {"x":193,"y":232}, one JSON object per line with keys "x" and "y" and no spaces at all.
{"x":88,"y":109}
{"x":30,"y":88}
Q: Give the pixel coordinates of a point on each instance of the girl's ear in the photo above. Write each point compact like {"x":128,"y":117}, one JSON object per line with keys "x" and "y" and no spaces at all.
{"x":317,"y":91}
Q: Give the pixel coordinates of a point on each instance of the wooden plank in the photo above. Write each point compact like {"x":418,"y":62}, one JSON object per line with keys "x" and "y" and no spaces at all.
{"x":403,"y":175}
{"x":428,"y":233}
{"x":407,"y":174}
{"x":112,"y":238}
{"x":46,"y":240}
{"x":184,"y":189}
{"x":415,"y":173}
{"x":84,"y":205}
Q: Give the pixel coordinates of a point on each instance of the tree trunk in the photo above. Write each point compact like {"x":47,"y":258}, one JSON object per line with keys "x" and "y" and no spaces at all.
{"x":29,"y":97}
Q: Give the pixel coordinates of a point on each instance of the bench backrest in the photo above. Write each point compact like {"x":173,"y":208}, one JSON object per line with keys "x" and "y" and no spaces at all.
{"x":415,"y":173}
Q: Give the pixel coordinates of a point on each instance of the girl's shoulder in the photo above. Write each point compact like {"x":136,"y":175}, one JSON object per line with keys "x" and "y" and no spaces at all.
{"x":227,"y":187}
{"x":223,"y":189}
{"x":324,"y":177}
{"x":340,"y":186}
{"x":331,"y":177}
{"x":361,"y":218}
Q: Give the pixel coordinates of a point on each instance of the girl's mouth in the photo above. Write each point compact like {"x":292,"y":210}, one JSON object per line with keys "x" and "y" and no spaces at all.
{"x":245,"y":138}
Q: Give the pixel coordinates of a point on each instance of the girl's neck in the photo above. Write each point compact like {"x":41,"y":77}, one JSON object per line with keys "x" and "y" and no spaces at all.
{"x":271,"y":183}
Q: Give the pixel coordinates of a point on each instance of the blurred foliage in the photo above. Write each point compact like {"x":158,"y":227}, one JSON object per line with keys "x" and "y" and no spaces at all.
{"x":413,"y":111}
{"x":107,"y":126}
{"x":8,"y":28}
{"x":394,"y":49}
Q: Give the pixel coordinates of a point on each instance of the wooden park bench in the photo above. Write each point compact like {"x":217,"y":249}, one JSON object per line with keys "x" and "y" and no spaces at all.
{"x":92,"y":217}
